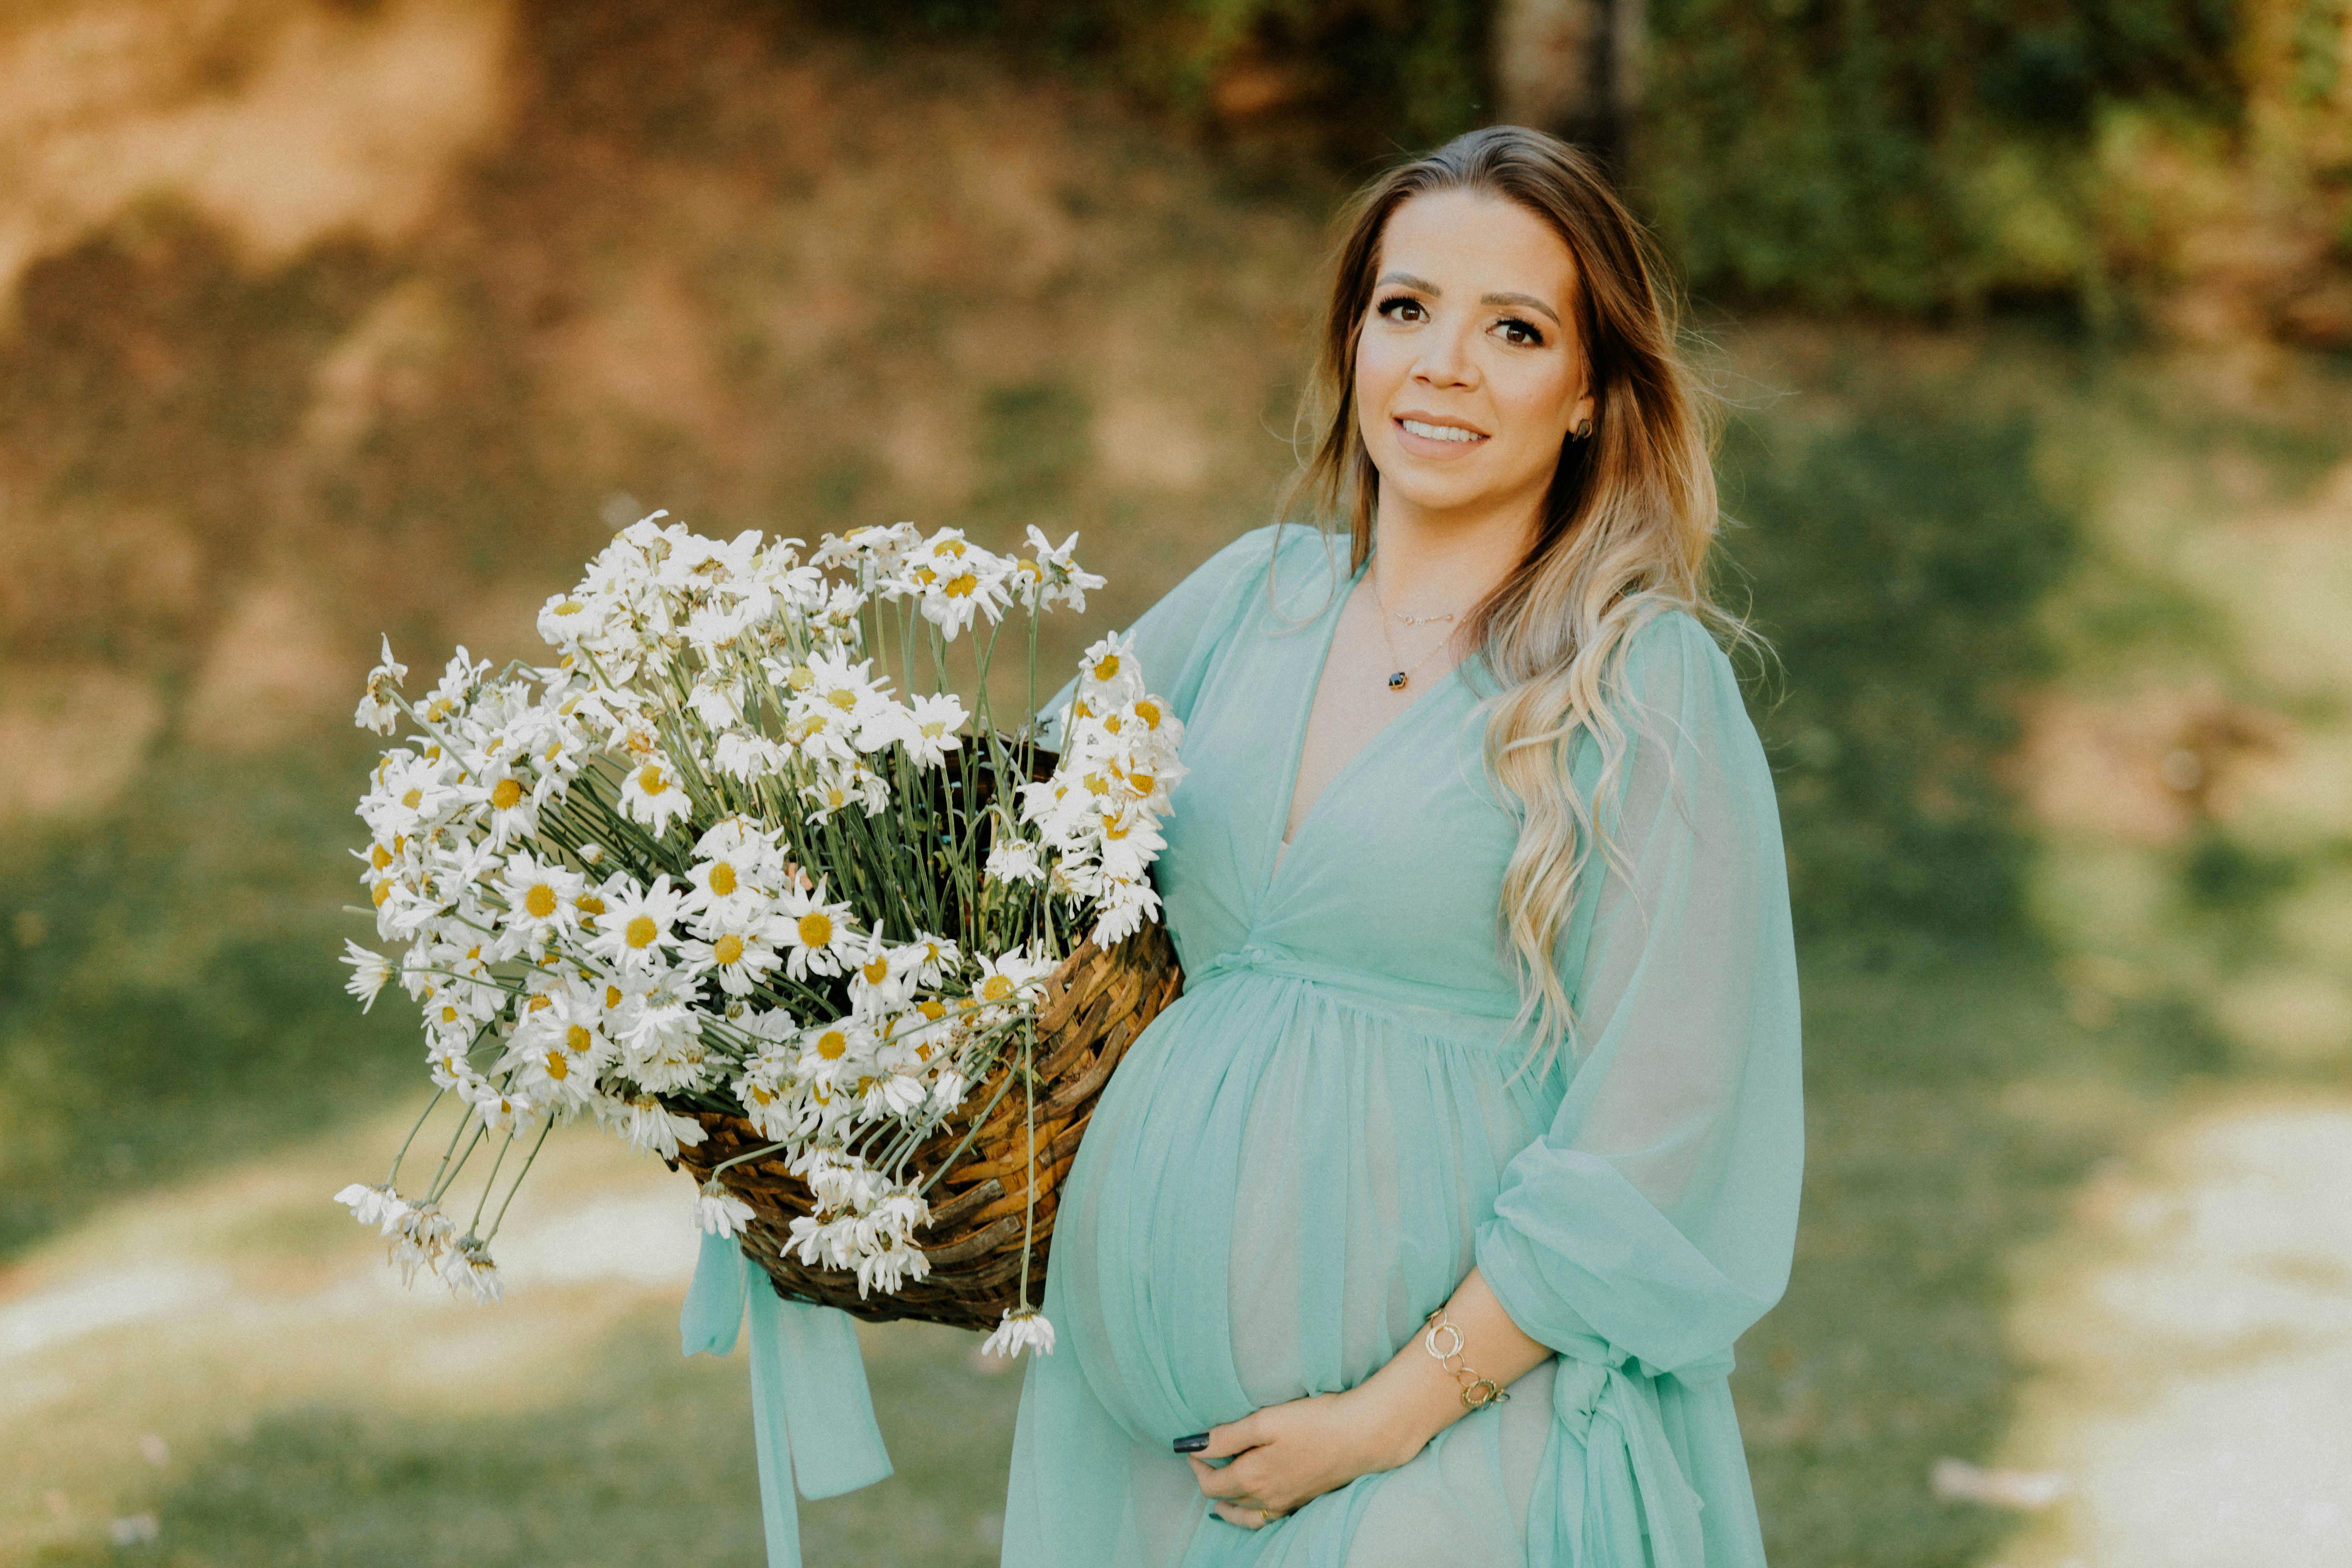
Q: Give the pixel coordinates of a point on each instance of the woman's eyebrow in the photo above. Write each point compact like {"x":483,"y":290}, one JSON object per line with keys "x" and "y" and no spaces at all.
{"x":1529,"y":301}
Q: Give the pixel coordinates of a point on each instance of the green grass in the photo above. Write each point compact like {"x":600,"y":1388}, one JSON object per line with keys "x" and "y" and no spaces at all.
{"x":652,"y":1461}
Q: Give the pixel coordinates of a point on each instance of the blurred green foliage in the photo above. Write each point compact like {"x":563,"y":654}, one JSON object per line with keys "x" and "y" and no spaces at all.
{"x":1830,"y":154}
{"x":168,"y":983}
{"x":1898,"y":566}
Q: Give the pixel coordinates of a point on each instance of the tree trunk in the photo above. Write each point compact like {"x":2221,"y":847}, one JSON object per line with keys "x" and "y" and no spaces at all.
{"x":1571,"y":66}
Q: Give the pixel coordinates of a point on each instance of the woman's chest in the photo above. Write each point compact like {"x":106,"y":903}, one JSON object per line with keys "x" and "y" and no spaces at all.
{"x":1394,"y":867}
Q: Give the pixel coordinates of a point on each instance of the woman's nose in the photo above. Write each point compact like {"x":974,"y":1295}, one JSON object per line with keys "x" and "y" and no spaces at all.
{"x":1445,"y":361}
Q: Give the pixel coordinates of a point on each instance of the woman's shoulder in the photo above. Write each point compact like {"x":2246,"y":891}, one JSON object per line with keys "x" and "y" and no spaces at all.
{"x":1304,"y":562}
{"x":1671,"y":650}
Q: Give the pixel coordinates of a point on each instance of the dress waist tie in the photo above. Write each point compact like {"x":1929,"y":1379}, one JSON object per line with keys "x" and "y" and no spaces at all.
{"x":1637,"y":1506}
{"x":812,"y":1415}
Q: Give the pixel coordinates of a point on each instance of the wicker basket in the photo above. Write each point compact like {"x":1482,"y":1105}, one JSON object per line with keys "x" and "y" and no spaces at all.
{"x":1094,"y":1005}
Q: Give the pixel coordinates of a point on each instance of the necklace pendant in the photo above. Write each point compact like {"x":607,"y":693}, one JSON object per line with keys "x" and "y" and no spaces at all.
{"x":1397,"y":680}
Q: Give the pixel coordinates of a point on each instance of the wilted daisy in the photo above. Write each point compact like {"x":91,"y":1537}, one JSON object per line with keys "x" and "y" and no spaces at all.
{"x":717,"y":1212}
{"x":370,"y":972}
{"x":1024,"y":1328}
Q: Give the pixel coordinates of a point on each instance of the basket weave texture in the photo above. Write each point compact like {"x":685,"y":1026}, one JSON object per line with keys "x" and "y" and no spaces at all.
{"x":1094,"y":1005}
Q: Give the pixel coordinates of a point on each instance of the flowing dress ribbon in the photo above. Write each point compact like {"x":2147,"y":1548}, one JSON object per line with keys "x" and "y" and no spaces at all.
{"x":812,"y":1415}
{"x":1637,"y":1506}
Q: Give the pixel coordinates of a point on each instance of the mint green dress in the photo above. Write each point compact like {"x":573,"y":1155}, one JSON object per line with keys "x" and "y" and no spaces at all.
{"x":1308,"y":1150}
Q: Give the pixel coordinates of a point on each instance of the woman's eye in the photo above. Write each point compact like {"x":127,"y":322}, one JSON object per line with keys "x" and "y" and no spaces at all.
{"x":1404,"y":308}
{"x":1519,"y":332}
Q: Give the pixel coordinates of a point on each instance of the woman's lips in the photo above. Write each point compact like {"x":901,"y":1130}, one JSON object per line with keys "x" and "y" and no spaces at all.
{"x":1434,"y":437}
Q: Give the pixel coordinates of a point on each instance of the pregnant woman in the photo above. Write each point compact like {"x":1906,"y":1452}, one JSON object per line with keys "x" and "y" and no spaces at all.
{"x":1418,"y":1231}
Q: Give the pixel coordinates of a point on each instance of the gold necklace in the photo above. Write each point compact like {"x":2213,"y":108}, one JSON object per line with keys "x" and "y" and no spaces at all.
{"x":1401,"y":678}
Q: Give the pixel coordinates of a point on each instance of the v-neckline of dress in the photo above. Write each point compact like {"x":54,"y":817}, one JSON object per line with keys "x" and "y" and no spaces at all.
{"x":1276,"y":856}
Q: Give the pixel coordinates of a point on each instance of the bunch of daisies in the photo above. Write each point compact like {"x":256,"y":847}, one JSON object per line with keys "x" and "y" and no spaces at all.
{"x":719,"y":855}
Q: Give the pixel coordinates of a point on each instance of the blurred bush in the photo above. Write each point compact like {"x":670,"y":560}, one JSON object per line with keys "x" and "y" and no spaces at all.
{"x":1898,"y":566}
{"x":2183,"y":161}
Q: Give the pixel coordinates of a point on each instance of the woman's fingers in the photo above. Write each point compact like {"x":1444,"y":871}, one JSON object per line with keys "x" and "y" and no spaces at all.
{"x":1219,"y":1483}
{"x":1246,"y":1516}
{"x":1234,"y":1437}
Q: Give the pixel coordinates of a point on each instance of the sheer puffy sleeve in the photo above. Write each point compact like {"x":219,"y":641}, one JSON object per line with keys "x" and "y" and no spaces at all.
{"x":1175,"y":639}
{"x":1655,"y":1220}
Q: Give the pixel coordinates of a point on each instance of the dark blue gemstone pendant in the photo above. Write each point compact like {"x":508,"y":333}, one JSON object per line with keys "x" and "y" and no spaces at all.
{"x":1396,"y":682}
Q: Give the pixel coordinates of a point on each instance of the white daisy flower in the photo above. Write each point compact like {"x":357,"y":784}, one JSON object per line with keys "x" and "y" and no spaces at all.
{"x":651,"y":793}
{"x":420,"y":1238}
{"x":932,"y":727}
{"x":717,"y":1212}
{"x":1013,"y":859}
{"x":371,"y":971}
{"x":633,"y":933}
{"x":1010,"y":978}
{"x":653,"y":1130}
{"x":468,"y":1271}
{"x":541,"y":899}
{"x":378,"y":1207}
{"x":820,"y":936}
{"x":1024,"y":1328}
{"x":738,"y":951}
{"x":1109,"y":676}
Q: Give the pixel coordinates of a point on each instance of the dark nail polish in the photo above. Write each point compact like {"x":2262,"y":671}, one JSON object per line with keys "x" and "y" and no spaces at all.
{"x":1192,"y":1445}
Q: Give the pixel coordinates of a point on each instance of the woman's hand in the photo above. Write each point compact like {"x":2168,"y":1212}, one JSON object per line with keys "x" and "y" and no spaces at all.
{"x":1286,"y":1456}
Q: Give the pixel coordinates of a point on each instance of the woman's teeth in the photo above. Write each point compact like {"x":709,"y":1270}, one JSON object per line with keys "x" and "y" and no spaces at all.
{"x":1441,"y":432}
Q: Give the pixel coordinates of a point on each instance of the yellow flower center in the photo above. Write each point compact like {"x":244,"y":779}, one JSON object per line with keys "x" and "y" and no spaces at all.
{"x":727,"y":948}
{"x":995,"y":988}
{"x":412,"y":799}
{"x":612,"y":995}
{"x":642,"y":932}
{"x":932,"y":1007}
{"x":506,"y":795}
{"x":540,"y":903}
{"x":383,"y":891}
{"x":1111,"y":723}
{"x":556,"y":1065}
{"x":800,"y":677}
{"x":1149,"y":711}
{"x":379,"y":857}
{"x":832,"y":1044}
{"x":578,"y":1038}
{"x":815,"y":929}
{"x":448,"y":1014}
{"x":538,"y":1003}
{"x":876,"y":971}
{"x":960,"y":586}
{"x":650,"y":780}
{"x":1107,"y":668}
{"x":843,"y":698}
{"x":763,"y":1096}
{"x":722,"y":879}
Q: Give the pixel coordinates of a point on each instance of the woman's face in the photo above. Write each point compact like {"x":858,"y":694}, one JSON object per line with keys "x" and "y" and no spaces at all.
{"x":1468,"y":371}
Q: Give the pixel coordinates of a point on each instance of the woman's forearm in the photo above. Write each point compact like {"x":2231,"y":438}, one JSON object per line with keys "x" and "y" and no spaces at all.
{"x":1414,"y":1397}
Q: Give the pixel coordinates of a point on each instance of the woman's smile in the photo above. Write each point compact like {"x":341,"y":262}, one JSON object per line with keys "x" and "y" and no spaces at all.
{"x":1429,"y":436}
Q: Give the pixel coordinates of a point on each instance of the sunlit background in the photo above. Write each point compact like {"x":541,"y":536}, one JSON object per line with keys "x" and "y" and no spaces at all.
{"x":322,"y":320}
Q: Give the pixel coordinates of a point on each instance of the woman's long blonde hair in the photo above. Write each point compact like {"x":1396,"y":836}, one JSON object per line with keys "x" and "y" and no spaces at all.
{"x":1625,"y":531}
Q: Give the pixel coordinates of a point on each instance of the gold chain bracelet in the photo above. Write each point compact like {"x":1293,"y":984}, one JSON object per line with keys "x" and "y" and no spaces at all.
{"x":1477,"y":1393}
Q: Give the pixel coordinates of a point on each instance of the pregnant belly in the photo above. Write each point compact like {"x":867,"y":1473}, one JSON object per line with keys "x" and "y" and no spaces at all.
{"x":1273,"y":1190}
